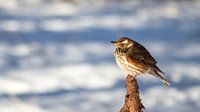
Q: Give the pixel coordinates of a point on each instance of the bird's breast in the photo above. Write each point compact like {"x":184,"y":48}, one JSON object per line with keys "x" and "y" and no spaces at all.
{"x":123,"y":62}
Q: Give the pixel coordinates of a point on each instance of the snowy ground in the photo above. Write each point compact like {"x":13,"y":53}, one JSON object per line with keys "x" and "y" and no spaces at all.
{"x":55,"y":56}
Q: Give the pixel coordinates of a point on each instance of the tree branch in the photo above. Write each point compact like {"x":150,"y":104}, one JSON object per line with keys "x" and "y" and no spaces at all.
{"x":132,"y":98}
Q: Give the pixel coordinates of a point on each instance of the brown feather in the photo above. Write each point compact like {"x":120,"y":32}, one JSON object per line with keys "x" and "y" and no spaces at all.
{"x":135,"y":58}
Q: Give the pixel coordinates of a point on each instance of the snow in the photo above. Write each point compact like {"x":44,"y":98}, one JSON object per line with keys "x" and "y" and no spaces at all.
{"x":56,"y":56}
{"x":171,"y":98}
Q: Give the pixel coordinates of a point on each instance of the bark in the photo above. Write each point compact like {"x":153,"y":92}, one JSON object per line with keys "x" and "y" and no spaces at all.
{"x":132,"y":98}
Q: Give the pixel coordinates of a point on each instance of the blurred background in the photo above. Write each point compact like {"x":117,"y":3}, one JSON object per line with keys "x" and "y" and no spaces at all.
{"x":56,"y":56}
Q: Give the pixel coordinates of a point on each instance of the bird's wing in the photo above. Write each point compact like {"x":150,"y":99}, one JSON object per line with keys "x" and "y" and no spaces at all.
{"x":141,"y":54}
{"x":135,"y":62}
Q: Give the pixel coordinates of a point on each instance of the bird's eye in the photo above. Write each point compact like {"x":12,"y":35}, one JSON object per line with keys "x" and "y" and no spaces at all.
{"x":122,"y":44}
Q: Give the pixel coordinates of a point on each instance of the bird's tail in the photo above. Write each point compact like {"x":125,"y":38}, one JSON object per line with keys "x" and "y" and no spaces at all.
{"x":164,"y":81}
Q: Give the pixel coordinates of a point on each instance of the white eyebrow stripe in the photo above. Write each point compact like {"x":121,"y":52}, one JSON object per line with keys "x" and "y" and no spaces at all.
{"x":125,"y":41}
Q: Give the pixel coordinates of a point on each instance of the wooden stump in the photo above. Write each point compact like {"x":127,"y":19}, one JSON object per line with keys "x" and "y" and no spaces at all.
{"x":132,"y":98}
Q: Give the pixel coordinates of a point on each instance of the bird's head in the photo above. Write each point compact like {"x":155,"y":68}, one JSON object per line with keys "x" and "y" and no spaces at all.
{"x":123,"y":43}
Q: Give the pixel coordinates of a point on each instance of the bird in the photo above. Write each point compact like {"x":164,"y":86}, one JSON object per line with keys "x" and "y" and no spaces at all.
{"x":135,"y":59}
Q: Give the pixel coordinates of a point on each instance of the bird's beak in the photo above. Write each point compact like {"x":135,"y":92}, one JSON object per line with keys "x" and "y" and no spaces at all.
{"x":114,"y":42}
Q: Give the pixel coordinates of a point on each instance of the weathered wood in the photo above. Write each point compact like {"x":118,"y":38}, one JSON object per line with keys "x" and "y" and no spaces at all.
{"x":132,"y":98}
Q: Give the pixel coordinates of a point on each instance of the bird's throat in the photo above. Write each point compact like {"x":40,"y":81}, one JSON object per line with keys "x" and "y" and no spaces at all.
{"x":122,"y":51}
